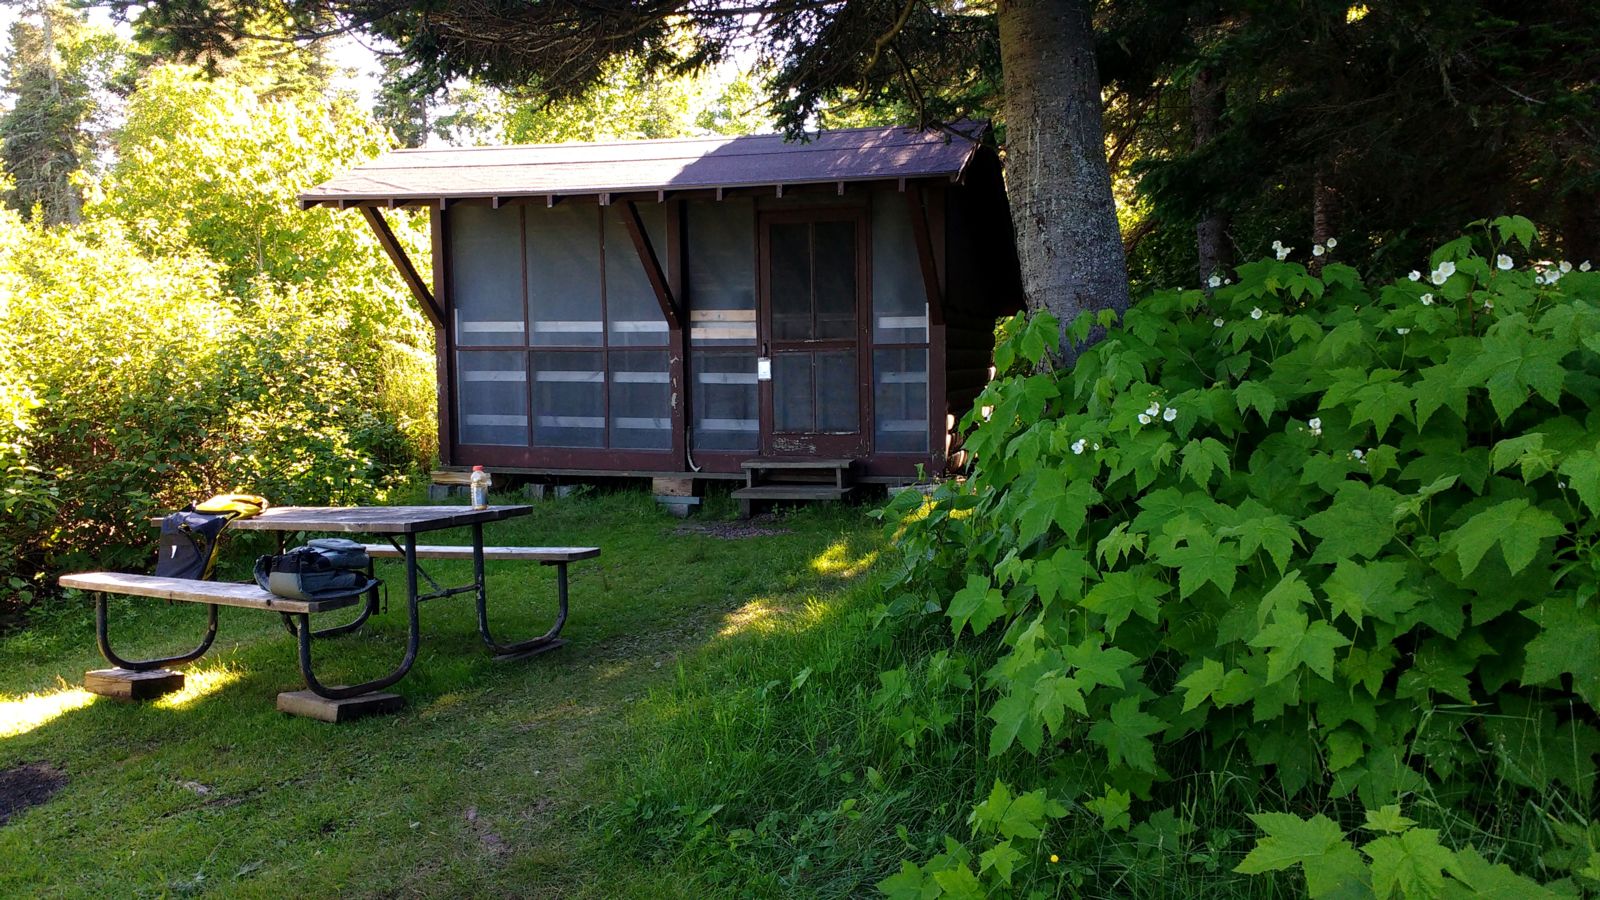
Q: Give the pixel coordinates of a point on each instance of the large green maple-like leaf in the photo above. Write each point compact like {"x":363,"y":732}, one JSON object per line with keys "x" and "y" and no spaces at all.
{"x":1439,"y":388}
{"x":1274,"y":533}
{"x":979,"y":602}
{"x":1097,"y":664}
{"x":1381,"y":402}
{"x":1568,"y":643}
{"x":1125,"y":734}
{"x":1490,"y":881}
{"x":1332,"y":866}
{"x":1254,"y":394}
{"x":1359,"y":589}
{"x":1513,"y":363}
{"x":1203,"y":457}
{"x":1203,"y":558}
{"x":1054,"y":501}
{"x":1411,"y":864}
{"x":1582,"y":470}
{"x":1124,"y":593}
{"x":1516,"y":525}
{"x":1358,"y":524}
{"x":1293,"y":641}
{"x":1201,"y":683}
{"x":1059,"y":575}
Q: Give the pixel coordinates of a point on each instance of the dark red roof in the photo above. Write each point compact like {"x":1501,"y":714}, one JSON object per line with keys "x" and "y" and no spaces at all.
{"x":855,"y":154}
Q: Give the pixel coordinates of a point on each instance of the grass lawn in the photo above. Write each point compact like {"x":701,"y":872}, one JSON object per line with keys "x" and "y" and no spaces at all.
{"x":482,"y":785}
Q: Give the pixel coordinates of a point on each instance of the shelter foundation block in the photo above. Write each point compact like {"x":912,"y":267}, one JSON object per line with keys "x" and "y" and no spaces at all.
{"x":311,"y":706}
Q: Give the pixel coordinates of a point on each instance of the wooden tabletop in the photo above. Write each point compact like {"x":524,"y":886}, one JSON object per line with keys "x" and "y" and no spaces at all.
{"x":373,"y":519}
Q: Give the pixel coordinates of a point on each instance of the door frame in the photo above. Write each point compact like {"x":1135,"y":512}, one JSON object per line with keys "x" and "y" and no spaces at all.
{"x":844,"y":445}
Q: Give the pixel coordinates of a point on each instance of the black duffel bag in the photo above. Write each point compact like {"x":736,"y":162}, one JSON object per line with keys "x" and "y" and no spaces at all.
{"x":323,"y":569}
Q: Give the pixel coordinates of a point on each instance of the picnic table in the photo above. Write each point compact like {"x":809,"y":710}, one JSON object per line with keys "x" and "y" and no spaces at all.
{"x":399,"y":527}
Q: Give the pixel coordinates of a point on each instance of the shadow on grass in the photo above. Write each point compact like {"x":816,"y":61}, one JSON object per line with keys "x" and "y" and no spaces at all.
{"x":478,"y":786}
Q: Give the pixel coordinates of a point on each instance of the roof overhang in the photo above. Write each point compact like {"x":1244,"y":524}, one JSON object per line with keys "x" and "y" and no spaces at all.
{"x":653,"y":170}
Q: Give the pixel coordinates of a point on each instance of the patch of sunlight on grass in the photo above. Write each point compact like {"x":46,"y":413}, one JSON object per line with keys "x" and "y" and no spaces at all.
{"x":836,"y":561}
{"x":23,"y":714}
{"x":197,"y":683}
{"x":765,"y":616}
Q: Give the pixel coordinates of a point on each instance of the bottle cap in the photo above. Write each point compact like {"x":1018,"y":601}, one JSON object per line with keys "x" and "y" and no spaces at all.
{"x":477,"y":468}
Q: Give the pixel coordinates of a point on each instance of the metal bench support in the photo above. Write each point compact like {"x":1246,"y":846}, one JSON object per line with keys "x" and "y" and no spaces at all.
{"x":145,"y":665}
{"x":547,"y":641}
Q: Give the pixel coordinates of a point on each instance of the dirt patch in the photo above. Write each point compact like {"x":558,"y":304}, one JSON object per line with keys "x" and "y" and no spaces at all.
{"x":29,"y":784}
{"x":759,"y":526}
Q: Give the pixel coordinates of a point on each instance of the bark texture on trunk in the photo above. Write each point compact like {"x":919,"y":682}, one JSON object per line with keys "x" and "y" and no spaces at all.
{"x":1324,"y":212}
{"x":1057,"y":180}
{"x":1205,"y":114}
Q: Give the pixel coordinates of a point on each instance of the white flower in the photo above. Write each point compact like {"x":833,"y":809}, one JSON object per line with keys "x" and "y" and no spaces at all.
{"x":1583,"y":266}
{"x":1283,"y":253}
{"x":1443,"y":273}
{"x":1255,"y":313}
{"x":1078,"y":445}
{"x":1415,"y":275}
{"x":1277,"y":245}
{"x":1332,"y":243}
{"x":1217,"y":321}
{"x":1358,"y":453}
{"x":1169,"y":414}
{"x":1316,"y":426}
{"x":1154,"y":410}
{"x":1562,"y":485}
{"x":1402,"y":331}
{"x":1227,"y":281}
{"x":1565,"y":267}
{"x":1488,"y":304}
{"x":1144,"y":419}
{"x":1317,"y":250}
{"x":1503,"y":262}
{"x":1214,"y":282}
{"x":1427,"y":299}
{"x":1095,"y":445}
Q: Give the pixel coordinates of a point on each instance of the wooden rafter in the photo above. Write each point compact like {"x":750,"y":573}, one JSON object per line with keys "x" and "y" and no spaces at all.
{"x":402,"y":262}
{"x":651,"y":263}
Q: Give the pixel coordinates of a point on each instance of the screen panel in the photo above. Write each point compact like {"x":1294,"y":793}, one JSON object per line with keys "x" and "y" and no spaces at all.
{"x":899,"y":298}
{"x":486,"y":276}
{"x":493,"y":396}
{"x":641,"y":400}
{"x":563,"y":248}
{"x":726,"y":412}
{"x":900,"y":400}
{"x":569,"y":399}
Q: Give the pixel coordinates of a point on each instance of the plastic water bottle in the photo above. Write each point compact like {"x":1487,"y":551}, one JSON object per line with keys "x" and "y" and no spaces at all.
{"x":480,"y":488}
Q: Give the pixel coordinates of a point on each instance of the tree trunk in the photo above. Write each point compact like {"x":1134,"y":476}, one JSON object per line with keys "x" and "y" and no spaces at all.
{"x":1057,"y":180}
{"x":1205,"y":115}
{"x":1324,"y":211}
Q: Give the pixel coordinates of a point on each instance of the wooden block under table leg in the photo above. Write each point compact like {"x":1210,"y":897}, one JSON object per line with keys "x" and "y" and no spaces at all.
{"x":305,"y":703}
{"x":126,"y":684}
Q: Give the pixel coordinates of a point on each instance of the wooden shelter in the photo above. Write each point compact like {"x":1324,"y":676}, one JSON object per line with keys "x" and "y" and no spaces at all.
{"x":683,"y":307}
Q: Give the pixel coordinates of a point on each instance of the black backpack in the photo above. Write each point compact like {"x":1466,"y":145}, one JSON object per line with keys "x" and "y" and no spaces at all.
{"x":188,"y":547}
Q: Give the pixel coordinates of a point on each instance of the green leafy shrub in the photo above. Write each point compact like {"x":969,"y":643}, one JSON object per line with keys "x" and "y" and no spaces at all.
{"x":1298,"y":543}
{"x":132,"y":385}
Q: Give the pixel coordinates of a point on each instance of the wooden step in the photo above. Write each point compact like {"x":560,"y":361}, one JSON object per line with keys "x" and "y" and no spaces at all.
{"x":779,"y":463}
{"x":792,"y":492}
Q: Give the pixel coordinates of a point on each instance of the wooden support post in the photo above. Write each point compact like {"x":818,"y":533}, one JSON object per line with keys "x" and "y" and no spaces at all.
{"x":651,"y":264}
{"x":402,"y":262}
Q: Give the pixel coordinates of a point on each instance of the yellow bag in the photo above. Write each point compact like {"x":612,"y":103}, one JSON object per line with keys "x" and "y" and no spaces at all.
{"x":242,"y":506}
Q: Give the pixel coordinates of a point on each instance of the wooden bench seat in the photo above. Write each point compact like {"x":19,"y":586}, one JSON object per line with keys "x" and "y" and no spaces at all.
{"x":546,"y":555}
{"x":218,"y":593}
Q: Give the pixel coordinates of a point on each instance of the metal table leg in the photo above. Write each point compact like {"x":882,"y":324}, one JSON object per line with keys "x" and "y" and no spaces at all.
{"x":413,"y":640}
{"x":145,"y":665}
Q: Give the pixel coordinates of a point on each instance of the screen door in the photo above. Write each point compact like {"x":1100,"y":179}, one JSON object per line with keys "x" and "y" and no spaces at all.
{"x":814,"y":402}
